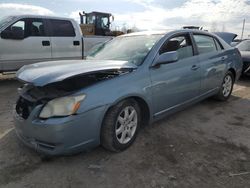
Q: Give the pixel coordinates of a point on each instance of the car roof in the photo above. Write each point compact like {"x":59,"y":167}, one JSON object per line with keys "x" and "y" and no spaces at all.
{"x":163,"y":32}
{"x":39,"y":16}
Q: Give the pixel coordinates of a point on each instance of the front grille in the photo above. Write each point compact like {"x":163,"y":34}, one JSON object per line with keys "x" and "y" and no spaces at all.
{"x":24,"y":107}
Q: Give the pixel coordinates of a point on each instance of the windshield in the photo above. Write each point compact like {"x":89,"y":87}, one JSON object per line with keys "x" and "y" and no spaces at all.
{"x":244,"y":45}
{"x":128,"y":48}
{"x":6,"y":20}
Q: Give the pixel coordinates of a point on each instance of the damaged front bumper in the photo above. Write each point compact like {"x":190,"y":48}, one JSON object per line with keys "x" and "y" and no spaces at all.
{"x":58,"y":136}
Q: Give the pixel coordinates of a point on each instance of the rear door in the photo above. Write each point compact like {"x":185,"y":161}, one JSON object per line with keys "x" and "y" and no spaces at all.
{"x":212,"y":60}
{"x":34,"y":47}
{"x":175,"y":83}
{"x":66,"y":42}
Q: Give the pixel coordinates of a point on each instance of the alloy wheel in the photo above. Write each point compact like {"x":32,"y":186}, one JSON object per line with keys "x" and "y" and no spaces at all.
{"x":227,"y":85}
{"x":126,"y":124}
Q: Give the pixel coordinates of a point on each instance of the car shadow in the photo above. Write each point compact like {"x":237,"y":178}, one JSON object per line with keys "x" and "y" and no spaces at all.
{"x":244,"y":81}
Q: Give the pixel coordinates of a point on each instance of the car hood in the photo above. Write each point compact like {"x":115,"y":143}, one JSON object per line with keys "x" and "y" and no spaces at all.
{"x":41,"y":74}
{"x":227,"y":37}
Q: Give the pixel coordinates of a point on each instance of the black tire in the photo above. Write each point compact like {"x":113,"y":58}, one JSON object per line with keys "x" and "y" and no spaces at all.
{"x":221,"y":96}
{"x":109,"y":138}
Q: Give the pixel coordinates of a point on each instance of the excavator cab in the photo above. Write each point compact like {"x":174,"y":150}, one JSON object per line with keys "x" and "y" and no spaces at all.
{"x":96,"y":23}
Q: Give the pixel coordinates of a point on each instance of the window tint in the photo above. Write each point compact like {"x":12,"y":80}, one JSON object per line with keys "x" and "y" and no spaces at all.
{"x":30,"y":27}
{"x":205,"y":44}
{"x":62,"y":28}
{"x":182,"y":44}
{"x":18,"y":26}
{"x":36,"y":27}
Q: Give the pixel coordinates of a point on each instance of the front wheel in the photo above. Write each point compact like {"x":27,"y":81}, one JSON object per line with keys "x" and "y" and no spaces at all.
{"x":121,"y":125}
{"x":226,"y":87}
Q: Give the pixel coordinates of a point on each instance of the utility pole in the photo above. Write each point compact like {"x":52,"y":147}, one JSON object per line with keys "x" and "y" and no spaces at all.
{"x":243,"y":28}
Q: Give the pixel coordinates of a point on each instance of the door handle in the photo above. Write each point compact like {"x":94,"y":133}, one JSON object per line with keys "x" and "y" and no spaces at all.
{"x":194,"y":67}
{"x":46,"y":43}
{"x":76,"y":43}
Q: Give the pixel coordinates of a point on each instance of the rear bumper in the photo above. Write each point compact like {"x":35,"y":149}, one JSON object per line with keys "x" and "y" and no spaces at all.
{"x":59,"y":136}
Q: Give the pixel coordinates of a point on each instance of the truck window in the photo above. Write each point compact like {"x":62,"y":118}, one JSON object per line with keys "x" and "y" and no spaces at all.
{"x":18,"y":26}
{"x":36,"y":27}
{"x":29,"y":26}
{"x":62,"y":28}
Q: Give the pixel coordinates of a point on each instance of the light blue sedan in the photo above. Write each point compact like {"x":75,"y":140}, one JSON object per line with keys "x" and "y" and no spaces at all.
{"x":70,"y":106}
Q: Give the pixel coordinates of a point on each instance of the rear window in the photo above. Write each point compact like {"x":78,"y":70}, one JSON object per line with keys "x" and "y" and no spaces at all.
{"x":62,"y":28}
{"x":205,"y":44}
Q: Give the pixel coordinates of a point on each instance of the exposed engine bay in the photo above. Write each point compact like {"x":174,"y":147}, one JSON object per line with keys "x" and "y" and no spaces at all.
{"x":31,"y":96}
{"x":67,"y":86}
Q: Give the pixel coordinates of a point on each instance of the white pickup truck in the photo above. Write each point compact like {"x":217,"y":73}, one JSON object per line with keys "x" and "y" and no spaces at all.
{"x":27,"y":39}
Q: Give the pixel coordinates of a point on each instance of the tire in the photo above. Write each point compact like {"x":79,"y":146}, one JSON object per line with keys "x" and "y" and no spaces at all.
{"x":121,"y":125}
{"x":226,"y":87}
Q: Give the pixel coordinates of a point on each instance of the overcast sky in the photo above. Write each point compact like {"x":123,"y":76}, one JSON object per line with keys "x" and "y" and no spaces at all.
{"x":220,"y":15}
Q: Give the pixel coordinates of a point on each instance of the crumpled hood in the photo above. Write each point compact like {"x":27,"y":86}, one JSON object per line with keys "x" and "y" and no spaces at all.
{"x":41,"y":74}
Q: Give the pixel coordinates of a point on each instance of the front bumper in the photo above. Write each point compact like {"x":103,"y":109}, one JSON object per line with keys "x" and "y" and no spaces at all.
{"x":58,"y":136}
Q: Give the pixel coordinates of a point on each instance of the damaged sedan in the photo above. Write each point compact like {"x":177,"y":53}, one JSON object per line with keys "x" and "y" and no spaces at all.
{"x":65,"y":107}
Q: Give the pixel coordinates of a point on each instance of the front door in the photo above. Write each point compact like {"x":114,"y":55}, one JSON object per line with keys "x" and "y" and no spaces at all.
{"x":33,"y":47}
{"x":176,"y":83}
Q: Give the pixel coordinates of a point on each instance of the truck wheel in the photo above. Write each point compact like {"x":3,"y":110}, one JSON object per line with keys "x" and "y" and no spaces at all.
{"x":226,"y":87}
{"x":121,"y":125}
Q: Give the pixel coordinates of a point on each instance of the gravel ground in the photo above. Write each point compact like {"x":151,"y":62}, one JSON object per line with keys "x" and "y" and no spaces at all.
{"x":206,"y":145}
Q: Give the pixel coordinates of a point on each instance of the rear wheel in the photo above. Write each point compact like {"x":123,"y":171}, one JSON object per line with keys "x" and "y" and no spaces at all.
{"x":226,"y":87}
{"x":121,"y":125}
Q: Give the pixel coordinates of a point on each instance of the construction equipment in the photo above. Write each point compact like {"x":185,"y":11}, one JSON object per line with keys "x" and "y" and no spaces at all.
{"x":97,"y":23}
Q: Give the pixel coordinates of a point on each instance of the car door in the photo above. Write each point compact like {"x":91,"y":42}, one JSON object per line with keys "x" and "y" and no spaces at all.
{"x":65,"y":41}
{"x":178,"y":82}
{"x":33,"y":47}
{"x":212,"y":61}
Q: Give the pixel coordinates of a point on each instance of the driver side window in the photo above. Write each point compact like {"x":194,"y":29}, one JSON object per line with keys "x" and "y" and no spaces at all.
{"x":17,"y":28}
{"x":20,"y":25}
{"x":181,"y":44}
{"x":28,"y":28}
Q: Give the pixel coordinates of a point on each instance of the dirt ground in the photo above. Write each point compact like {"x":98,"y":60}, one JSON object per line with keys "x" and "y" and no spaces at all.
{"x":206,"y":145}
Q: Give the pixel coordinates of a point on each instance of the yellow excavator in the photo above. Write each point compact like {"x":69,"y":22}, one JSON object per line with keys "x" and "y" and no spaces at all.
{"x":97,"y":23}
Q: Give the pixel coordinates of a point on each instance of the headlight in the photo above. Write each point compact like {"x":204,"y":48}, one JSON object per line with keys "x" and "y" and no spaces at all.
{"x":64,"y":106}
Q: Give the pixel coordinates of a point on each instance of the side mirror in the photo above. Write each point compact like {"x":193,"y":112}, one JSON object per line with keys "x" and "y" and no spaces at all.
{"x":6,"y":34}
{"x":15,"y":33}
{"x":165,"y":58}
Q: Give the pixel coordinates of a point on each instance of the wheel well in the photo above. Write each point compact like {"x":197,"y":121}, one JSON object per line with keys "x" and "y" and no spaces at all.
{"x":232,"y":71}
{"x":145,"y":113}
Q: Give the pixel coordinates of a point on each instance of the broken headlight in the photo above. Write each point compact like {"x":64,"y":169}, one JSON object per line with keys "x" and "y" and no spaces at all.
{"x":63,"y":106}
